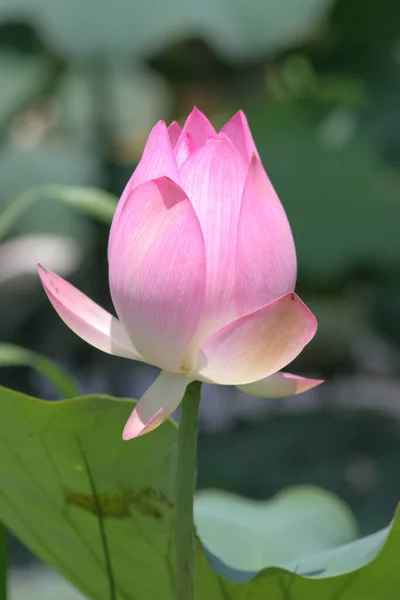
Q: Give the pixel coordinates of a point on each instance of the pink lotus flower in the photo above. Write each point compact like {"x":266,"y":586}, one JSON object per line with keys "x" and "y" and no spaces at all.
{"x":202,"y":268}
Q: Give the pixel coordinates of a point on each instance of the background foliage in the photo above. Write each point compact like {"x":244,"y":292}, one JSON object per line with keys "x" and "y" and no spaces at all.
{"x":82,"y":84}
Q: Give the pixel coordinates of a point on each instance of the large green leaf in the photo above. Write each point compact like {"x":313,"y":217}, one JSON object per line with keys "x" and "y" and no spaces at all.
{"x":92,"y":506}
{"x":249,"y":534}
{"x":100,"y":511}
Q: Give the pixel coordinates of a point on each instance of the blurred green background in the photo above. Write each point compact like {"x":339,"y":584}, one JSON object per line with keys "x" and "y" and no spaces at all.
{"x":81,"y":84}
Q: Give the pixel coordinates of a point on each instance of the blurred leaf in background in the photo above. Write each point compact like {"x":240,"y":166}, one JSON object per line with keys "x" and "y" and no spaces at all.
{"x":342,"y":200}
{"x":14,"y":356}
{"x":240,"y":29}
{"x":249,"y":534}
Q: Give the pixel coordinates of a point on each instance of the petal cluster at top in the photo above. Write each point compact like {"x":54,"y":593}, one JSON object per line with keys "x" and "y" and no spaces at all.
{"x":199,"y":234}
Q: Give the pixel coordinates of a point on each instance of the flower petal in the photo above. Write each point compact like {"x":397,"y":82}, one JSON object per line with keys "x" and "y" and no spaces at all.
{"x":157,"y":160}
{"x":265,"y":254}
{"x":198,"y":127}
{"x":87,"y":319}
{"x":280,"y":385}
{"x":213,"y":178}
{"x":184,"y":148}
{"x":258,"y":344}
{"x":238,"y":131}
{"x":157,"y":272}
{"x":174,"y":131}
{"x":157,"y":404}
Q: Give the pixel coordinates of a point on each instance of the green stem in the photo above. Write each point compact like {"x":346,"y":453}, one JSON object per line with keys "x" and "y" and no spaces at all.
{"x":3,"y":562}
{"x":185,"y":485}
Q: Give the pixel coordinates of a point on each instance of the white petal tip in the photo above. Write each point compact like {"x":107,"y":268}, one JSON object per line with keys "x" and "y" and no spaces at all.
{"x":135,"y":427}
{"x":41,"y":270}
{"x":156,"y":405}
{"x":128,"y":434}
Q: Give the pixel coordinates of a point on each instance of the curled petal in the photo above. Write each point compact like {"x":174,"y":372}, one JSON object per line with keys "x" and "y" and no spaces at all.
{"x":87,"y":319}
{"x":265,"y":254}
{"x":157,"y":272}
{"x":174,"y":131}
{"x":258,"y":344}
{"x":198,"y":127}
{"x":213,"y":178}
{"x":157,"y":404}
{"x":280,"y":385}
{"x":157,"y":160}
{"x":238,"y":131}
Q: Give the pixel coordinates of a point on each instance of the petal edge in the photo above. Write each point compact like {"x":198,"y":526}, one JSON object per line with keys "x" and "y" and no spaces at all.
{"x":199,"y":127}
{"x":265,"y":253}
{"x":157,"y":160}
{"x":87,"y":319}
{"x":258,"y":344}
{"x":238,"y":131}
{"x":280,"y":385}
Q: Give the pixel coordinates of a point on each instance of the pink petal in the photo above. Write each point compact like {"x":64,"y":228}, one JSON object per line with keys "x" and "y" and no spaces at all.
{"x":280,"y":385}
{"x":213,"y":179}
{"x":174,"y":131}
{"x":184,"y":148}
{"x":157,"y":160}
{"x":198,"y":127}
{"x":88,"y":320}
{"x":238,"y":131}
{"x":258,"y":344}
{"x":157,"y":404}
{"x":157,"y":272}
{"x":265,"y":255}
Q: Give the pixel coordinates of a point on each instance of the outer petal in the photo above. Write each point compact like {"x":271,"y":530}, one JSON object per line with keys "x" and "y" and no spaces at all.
{"x":157,"y":404}
{"x":265,"y":255}
{"x":174,"y":131}
{"x":198,"y":127}
{"x":88,"y":320}
{"x":157,"y":272}
{"x":158,"y":159}
{"x":258,"y":344}
{"x":238,"y":131}
{"x":213,"y":178}
{"x":280,"y":385}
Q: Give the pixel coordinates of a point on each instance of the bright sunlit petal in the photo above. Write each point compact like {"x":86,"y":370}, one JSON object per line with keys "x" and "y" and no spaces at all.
{"x":157,"y":272}
{"x":213,"y":178}
{"x":265,"y":253}
{"x":258,"y":344}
